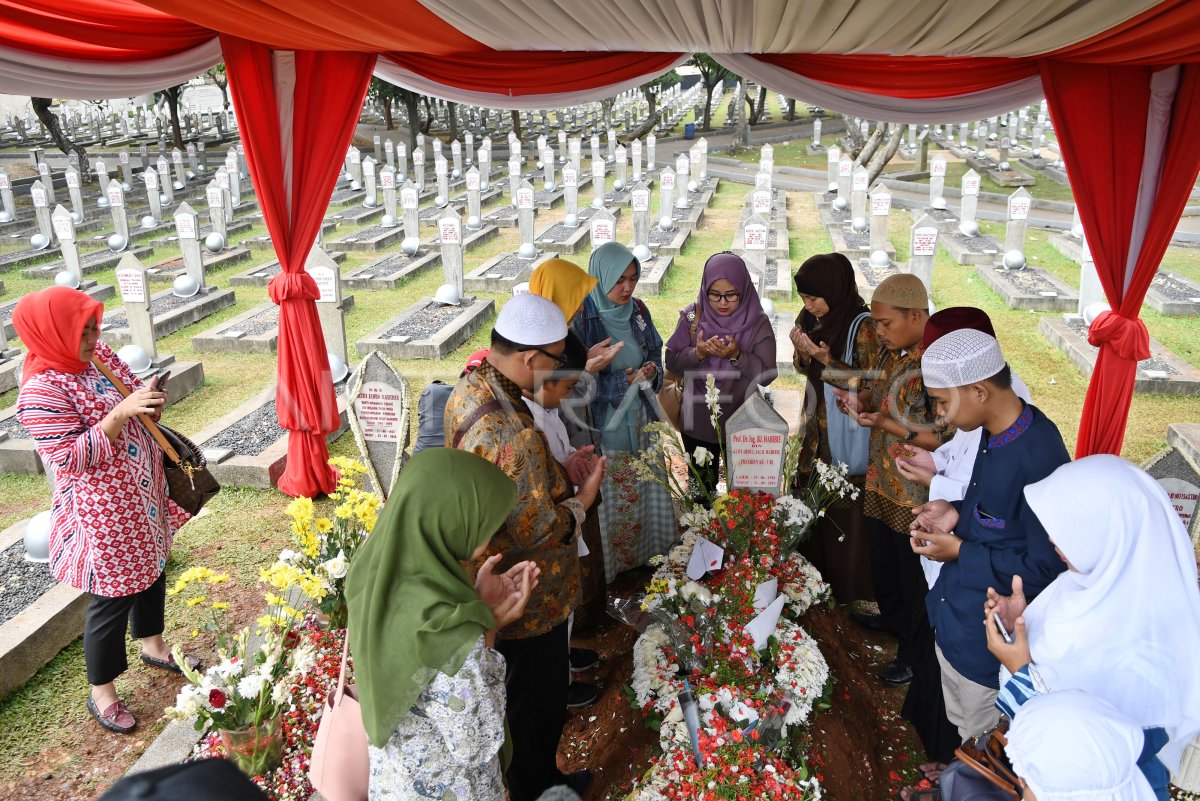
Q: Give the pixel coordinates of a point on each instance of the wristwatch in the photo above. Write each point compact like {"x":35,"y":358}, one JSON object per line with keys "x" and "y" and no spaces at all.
{"x":911,"y":434}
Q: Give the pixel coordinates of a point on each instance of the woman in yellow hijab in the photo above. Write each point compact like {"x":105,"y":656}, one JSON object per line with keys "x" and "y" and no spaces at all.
{"x":562,"y":283}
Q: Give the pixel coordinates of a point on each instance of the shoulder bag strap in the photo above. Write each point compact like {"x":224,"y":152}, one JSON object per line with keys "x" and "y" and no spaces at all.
{"x":341,"y":685}
{"x":853,"y":335}
{"x":150,"y":425}
{"x":491,"y":406}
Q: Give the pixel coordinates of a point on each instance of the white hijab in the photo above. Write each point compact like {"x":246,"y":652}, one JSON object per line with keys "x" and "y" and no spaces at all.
{"x":1124,"y":625}
{"x":1070,"y":745}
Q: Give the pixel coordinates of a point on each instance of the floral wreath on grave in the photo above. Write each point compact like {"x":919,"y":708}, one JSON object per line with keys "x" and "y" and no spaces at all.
{"x":722,"y":669}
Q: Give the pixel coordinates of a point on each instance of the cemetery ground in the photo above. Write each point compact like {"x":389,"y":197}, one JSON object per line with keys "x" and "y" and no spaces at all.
{"x":52,"y":747}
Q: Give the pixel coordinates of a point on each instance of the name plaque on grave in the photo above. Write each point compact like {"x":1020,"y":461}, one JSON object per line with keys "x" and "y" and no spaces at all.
{"x":176,"y":157}
{"x":355,"y":156}
{"x":450,"y":232}
{"x":409,"y":199}
{"x":640,"y":199}
{"x":762,"y":180}
{"x":418,"y":158}
{"x":924,"y":241}
{"x":39,"y":195}
{"x":881,"y":204}
{"x":131,"y":286}
{"x":597,"y":169}
{"x":387,"y":180}
{"x":64,"y":229}
{"x":570,"y":177}
{"x":1018,"y":207}
{"x":761,"y":202}
{"x":222,"y":180}
{"x":472,"y":182}
{"x":185,"y":226}
{"x":757,"y":458}
{"x":5,"y":183}
{"x":524,"y":198}
{"x":213,"y":195}
{"x":860,"y":181}
{"x":378,"y":407}
{"x":937,"y":168}
{"x":1185,"y":496}
{"x":116,"y":198}
{"x":326,"y":282}
{"x":602,"y":231}
{"x":123,"y":156}
{"x":970,"y":185}
{"x":756,"y":237}
{"x":668,"y":179}
{"x":845,"y":167}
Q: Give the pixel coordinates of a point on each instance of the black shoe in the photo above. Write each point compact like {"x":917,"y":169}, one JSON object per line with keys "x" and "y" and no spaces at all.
{"x":870,"y":621}
{"x":583,"y":659}
{"x":895,"y":674}
{"x":581,"y":694}
{"x":579,"y":781}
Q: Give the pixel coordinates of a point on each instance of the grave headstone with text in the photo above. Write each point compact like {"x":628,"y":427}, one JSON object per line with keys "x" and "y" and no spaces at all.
{"x":134,"y":286}
{"x":164,"y":179}
{"x":666,"y":192}
{"x":150,"y":179}
{"x":970,"y":195}
{"x":639,"y":200}
{"x":177,"y":163}
{"x":223,"y":184}
{"x":441,"y":171}
{"x":1018,"y":218}
{"x":922,"y":249}
{"x":833,"y":162}
{"x":650,"y":142}
{"x":450,"y":234}
{"x":389,"y":153}
{"x":327,"y":276}
{"x":418,"y":161}
{"x":378,"y":414}
{"x":387,"y":181}
{"x":635,"y":151}
{"x":756,"y":441}
{"x":881,"y":209}
{"x":41,"y":208}
{"x":860,"y":182}
{"x":755,"y":236}
{"x":187,"y":228}
{"x":474,"y":221}
{"x":75,"y":192}
{"x":6,"y":196}
{"x":570,"y":195}
{"x":937,"y":179}
{"x":370,"y":195}
{"x":215,"y":197}
{"x":64,"y":232}
{"x":116,"y":204}
{"x":525,"y":212}
{"x":456,"y":157}
{"x":845,"y":177}
{"x":126,"y":167}
{"x":682,"y":171}
{"x":410,"y":199}
{"x":47,"y":181}
{"x":603,"y":227}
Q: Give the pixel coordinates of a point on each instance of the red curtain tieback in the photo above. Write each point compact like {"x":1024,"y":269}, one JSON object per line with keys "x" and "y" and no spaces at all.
{"x":293,"y":286}
{"x":1128,"y":338}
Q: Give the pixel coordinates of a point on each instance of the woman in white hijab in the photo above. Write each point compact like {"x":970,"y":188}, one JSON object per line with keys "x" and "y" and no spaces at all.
{"x":1071,"y":745}
{"x":1123,"y":623}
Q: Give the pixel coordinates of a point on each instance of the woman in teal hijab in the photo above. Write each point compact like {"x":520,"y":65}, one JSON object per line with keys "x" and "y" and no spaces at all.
{"x":430,"y":684}
{"x":636,"y":521}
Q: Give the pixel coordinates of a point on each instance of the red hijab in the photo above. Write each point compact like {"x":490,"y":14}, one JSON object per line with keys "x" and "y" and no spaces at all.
{"x":50,"y":322}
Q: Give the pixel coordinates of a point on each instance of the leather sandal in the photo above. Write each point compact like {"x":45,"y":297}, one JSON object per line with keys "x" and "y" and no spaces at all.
{"x":116,"y":717}
{"x":169,"y":663}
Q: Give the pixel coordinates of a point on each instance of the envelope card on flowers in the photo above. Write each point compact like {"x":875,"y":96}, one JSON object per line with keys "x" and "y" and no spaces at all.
{"x":706,"y":556}
{"x":765,"y":594}
{"x":762,"y":626}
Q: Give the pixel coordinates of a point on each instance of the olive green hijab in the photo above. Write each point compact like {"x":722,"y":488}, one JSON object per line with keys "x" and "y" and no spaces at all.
{"x":413,"y":609}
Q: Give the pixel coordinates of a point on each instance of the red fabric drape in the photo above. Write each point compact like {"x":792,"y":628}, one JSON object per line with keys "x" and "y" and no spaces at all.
{"x":325,"y":105}
{"x":1099,"y":114}
{"x":108,"y":30}
{"x":915,"y":77}
{"x":369,"y":26}
{"x":518,"y":74}
{"x":1164,"y":34}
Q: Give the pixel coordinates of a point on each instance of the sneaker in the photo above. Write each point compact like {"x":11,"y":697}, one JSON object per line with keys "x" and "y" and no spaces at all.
{"x":581,"y":694}
{"x":895,"y":674}
{"x":583,"y":659}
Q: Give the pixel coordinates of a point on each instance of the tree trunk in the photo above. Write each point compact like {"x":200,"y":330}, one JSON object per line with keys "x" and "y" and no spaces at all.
{"x":412,"y":105}
{"x":651,"y":120}
{"x":762,"y":103}
{"x":427,"y":123}
{"x":791,"y":109}
{"x":708,"y":90}
{"x":387,"y":113}
{"x":516,"y":122}
{"x":875,"y":169}
{"x":173,"y":106}
{"x":868,"y":150}
{"x":452,"y":119}
{"x":224,"y":87}
{"x":41,"y":108}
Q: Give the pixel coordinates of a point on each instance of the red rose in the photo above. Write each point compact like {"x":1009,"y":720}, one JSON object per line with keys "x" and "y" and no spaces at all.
{"x":291,"y":639}
{"x":216,"y":699}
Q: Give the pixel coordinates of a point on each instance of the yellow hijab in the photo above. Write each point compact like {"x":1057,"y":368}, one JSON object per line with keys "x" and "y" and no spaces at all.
{"x":562,"y":283}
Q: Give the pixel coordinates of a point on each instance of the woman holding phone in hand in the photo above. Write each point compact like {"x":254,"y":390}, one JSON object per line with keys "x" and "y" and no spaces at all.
{"x":726,"y":334}
{"x":111,"y":523}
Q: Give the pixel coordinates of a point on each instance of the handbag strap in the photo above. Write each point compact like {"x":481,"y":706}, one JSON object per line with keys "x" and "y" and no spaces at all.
{"x":342,"y":672}
{"x":853,"y":335}
{"x":491,"y":406}
{"x":150,"y":425}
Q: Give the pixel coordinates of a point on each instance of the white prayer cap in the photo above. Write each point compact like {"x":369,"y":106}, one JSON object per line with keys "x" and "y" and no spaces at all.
{"x":961,"y":358}
{"x":531,"y":320}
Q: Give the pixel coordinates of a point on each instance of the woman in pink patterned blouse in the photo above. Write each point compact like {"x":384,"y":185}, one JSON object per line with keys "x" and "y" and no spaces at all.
{"x":111,"y":521}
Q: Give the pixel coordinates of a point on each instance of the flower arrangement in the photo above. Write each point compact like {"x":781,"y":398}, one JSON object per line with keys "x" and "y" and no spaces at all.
{"x":736,"y":767}
{"x":246,"y":689}
{"x":324,"y":546}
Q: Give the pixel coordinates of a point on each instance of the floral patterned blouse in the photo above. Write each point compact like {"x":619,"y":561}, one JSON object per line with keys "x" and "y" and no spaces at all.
{"x":448,"y":746}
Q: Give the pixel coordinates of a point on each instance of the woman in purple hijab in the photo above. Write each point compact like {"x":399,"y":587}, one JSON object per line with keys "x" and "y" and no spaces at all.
{"x":725,"y":333}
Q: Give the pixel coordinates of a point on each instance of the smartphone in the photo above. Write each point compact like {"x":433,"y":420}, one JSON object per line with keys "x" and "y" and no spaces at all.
{"x":1000,"y":628}
{"x":162,"y":381}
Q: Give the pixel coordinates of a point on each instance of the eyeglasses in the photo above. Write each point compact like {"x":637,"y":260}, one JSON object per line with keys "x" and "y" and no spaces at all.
{"x":728,"y":297}
{"x":561,"y":358}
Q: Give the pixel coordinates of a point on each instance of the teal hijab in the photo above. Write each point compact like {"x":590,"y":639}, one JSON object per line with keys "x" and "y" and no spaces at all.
{"x":607,"y":264}
{"x":414,"y":611}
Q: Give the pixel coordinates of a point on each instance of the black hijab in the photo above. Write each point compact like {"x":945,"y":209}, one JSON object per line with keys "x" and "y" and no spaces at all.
{"x":829,"y":276}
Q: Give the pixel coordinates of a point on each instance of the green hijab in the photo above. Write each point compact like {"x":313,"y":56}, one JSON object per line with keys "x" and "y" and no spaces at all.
{"x":413,"y":610}
{"x":607,"y":264}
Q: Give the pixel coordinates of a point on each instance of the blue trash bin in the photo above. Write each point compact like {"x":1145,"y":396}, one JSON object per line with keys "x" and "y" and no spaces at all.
{"x":689,"y":130}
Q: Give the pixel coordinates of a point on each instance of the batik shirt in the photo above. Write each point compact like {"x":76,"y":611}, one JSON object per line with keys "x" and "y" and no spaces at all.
{"x":447,"y":747}
{"x":543,"y":522}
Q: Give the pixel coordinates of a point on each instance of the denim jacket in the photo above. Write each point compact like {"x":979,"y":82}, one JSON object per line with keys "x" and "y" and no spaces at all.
{"x":611,"y":384}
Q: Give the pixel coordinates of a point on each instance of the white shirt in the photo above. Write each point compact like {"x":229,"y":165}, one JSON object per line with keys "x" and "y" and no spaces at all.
{"x":550,"y":423}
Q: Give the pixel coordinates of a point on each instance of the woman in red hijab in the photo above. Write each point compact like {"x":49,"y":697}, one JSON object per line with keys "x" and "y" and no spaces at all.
{"x":111,"y":521}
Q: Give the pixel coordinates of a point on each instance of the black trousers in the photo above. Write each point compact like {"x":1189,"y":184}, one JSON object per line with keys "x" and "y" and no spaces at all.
{"x":536,"y":678}
{"x":900,"y":589}
{"x":710,"y":473}
{"x":104,"y":628}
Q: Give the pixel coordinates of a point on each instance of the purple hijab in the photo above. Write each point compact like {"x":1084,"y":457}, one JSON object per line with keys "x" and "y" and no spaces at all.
{"x":740,"y":325}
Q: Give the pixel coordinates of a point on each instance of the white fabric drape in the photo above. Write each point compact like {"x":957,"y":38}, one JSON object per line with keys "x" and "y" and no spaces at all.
{"x":395,"y":74}
{"x":1124,"y":623}
{"x":24,"y":73}
{"x":284,"y":77}
{"x":1011,"y":28}
{"x":1163,"y":85}
{"x":955,"y":108}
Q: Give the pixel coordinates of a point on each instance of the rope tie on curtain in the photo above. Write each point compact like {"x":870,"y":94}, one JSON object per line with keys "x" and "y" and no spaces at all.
{"x":1128,"y":338}
{"x":292,"y":286}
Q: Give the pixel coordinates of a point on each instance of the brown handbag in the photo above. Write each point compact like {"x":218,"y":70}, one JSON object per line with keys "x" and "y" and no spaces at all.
{"x":190,"y":485}
{"x":670,"y":397}
{"x":985,"y":755}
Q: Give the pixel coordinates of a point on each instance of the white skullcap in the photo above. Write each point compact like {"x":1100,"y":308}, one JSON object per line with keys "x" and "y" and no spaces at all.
{"x":530,"y":319}
{"x":961,"y":358}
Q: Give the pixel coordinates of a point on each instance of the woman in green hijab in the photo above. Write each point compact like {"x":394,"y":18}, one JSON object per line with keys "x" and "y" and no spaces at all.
{"x":637,"y":521}
{"x":430,"y":683}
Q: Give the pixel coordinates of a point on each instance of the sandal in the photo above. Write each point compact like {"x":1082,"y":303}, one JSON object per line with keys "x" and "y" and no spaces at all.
{"x":924,"y":790}
{"x":169,"y":663}
{"x":932,"y":770}
{"x":116,"y":717}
